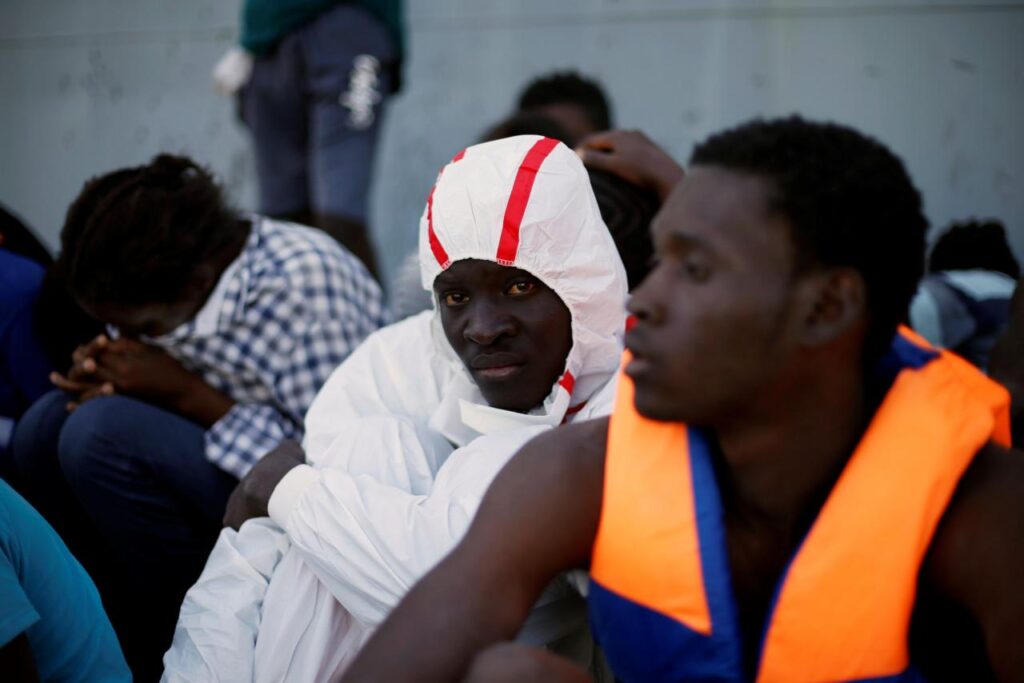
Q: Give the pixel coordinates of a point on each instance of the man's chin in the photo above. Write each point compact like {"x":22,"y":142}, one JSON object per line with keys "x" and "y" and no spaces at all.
{"x":655,"y":408}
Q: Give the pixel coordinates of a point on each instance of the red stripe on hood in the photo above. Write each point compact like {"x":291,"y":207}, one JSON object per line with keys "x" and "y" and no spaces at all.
{"x":508,"y":246}
{"x":435,"y":244}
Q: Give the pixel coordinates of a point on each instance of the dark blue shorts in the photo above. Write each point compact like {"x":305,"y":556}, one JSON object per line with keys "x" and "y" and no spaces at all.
{"x":314,"y":107}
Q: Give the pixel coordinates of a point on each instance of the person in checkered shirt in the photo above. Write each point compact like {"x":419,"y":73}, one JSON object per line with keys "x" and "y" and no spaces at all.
{"x":221,"y":330}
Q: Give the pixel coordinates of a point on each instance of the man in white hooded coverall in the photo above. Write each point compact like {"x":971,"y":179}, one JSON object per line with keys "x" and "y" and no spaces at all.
{"x":407,"y":434}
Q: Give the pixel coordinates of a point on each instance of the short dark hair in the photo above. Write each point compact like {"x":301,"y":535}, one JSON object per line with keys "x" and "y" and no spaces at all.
{"x":527,"y":123}
{"x":627,"y":210}
{"x":974,"y":245}
{"x":138,"y":235}
{"x":568,"y":87}
{"x":848,"y":201}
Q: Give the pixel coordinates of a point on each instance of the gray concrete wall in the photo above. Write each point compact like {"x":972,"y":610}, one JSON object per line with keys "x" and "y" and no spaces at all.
{"x":88,"y":85}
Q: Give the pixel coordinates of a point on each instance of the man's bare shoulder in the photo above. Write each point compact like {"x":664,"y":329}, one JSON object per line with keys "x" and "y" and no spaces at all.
{"x":571,"y":449}
{"x":988,"y":506}
{"x":580,"y":439}
{"x":976,"y":558}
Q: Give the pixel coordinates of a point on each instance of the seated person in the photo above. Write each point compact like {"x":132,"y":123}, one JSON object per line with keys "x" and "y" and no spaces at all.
{"x":222,"y":328}
{"x":963,"y":304}
{"x":24,"y":366}
{"x":407,"y":434}
{"x":789,"y":488}
{"x":52,"y":623}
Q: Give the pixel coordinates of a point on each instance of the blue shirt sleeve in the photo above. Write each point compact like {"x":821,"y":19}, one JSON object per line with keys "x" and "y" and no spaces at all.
{"x":16,"y":610}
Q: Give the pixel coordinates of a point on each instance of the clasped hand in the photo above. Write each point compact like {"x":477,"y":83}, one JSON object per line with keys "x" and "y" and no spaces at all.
{"x":104,"y":367}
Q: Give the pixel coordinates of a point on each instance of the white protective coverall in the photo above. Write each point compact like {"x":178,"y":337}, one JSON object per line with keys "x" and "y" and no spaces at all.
{"x":402,"y":446}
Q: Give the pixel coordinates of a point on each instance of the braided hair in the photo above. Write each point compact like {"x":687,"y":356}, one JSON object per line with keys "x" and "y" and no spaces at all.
{"x":138,"y":236}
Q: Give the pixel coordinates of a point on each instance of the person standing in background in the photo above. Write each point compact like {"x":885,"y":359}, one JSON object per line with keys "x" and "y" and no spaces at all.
{"x":313,"y":76}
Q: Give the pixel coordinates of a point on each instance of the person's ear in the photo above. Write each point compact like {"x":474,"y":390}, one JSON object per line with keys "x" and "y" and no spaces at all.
{"x":834,"y":301}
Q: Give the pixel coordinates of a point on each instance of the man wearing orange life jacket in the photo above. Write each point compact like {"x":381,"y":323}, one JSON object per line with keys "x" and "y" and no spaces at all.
{"x":789,"y":489}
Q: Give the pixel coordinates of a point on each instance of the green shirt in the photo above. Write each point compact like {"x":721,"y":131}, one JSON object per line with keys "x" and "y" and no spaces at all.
{"x":266,"y":22}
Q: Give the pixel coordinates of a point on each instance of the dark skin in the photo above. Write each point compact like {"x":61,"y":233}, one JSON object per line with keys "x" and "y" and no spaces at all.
{"x":134,"y":368}
{"x":509,"y":329}
{"x":1006,"y":363}
{"x":632,"y":156}
{"x":250,"y":498}
{"x":513,"y":662}
{"x":787,"y":407}
{"x":512,"y":332}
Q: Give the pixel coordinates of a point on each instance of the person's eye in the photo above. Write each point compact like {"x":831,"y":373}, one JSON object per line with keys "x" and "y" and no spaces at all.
{"x":454,"y":298}
{"x":521,"y":287}
{"x":696,"y":269}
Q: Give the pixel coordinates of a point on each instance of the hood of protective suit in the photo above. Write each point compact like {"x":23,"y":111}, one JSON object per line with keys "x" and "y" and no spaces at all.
{"x":526,"y":202}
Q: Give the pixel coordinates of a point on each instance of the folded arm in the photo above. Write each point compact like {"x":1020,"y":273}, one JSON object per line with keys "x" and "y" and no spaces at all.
{"x":538,"y":519}
{"x":370,"y":533}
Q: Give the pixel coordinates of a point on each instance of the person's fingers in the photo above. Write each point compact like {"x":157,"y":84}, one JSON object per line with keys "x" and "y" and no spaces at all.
{"x":105,"y":389}
{"x":64,"y":384}
{"x":126,"y":345}
{"x":599,"y":160}
{"x":94,"y":346}
{"x":78,"y":355}
{"x":606,"y":140}
{"x":89,"y":394}
{"x":83,"y":357}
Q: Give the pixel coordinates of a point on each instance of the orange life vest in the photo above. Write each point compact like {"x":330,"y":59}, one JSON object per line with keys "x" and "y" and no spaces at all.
{"x":661,"y":602}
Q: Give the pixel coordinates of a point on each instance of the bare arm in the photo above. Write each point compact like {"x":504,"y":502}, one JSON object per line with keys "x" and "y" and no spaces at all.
{"x":977,"y":556}
{"x":1006,"y":364}
{"x":539,"y":518}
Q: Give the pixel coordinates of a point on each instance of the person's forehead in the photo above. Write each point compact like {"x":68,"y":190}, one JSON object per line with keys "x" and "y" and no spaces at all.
{"x":726,"y":210}
{"x":468,"y":271}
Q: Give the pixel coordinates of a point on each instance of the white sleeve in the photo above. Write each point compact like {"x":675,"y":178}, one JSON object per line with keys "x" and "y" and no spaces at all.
{"x":215,"y":636}
{"x":369,"y":541}
{"x":394,"y":372}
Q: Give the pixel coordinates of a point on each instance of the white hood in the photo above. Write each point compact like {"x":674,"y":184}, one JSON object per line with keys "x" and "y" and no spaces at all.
{"x":527,"y":202}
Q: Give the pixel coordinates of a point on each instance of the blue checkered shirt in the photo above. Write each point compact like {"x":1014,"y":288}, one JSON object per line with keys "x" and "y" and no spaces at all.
{"x":290,"y":308}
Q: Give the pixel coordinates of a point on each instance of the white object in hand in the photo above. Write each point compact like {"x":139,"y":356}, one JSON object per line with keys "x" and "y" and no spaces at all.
{"x":232,"y":71}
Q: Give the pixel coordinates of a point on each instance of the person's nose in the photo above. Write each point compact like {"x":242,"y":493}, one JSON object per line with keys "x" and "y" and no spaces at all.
{"x":488,"y":323}
{"x":644,"y":305}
